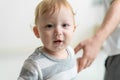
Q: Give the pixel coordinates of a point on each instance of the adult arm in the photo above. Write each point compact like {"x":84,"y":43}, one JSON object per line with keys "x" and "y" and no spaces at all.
{"x":92,"y":45}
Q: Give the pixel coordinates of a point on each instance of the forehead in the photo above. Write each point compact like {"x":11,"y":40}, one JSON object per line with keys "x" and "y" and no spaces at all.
{"x":50,"y":7}
{"x":63,"y":12}
{"x":57,"y":10}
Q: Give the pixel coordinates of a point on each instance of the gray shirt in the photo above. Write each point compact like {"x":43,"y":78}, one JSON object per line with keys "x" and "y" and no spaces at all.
{"x":40,"y":66}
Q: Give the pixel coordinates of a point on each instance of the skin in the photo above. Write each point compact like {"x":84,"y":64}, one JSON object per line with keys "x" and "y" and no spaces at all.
{"x":91,"y":46}
{"x":56,"y":32}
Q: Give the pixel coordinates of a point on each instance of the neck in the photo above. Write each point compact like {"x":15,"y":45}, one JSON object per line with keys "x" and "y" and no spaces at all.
{"x":61,"y":54}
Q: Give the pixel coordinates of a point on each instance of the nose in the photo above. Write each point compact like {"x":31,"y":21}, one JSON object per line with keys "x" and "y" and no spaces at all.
{"x":58,"y":31}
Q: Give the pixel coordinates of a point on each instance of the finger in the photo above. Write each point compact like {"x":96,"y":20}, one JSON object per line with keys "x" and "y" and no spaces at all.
{"x":78,"y":47}
{"x":88,"y":64}
{"x":82,"y":63}
{"x":78,"y":63}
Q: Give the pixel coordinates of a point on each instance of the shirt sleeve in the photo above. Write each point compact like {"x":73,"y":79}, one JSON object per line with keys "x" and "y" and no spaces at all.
{"x":29,"y":71}
{"x":108,"y":3}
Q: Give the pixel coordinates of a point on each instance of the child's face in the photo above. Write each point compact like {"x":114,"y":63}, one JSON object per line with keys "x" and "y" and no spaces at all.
{"x":56,"y":30}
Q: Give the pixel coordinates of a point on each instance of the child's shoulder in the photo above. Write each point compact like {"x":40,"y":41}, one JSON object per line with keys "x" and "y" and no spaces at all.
{"x":70,"y":49}
{"x":37,"y":54}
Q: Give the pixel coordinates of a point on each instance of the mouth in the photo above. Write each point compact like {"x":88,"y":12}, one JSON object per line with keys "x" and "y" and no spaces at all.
{"x":57,"y":41}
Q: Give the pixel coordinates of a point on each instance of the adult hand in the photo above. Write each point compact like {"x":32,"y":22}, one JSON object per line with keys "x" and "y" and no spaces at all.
{"x":90,"y":48}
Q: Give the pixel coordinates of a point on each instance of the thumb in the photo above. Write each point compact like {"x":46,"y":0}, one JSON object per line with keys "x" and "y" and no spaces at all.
{"x":78,"y":47}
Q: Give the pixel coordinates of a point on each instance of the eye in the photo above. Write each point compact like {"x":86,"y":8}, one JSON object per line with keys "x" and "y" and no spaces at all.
{"x":49,"y":26}
{"x":65,"y":25}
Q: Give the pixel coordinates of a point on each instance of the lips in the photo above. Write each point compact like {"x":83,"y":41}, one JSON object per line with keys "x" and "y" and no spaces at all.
{"x":58,"y":41}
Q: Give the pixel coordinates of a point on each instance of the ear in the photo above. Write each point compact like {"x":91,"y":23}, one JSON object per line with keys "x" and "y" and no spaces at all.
{"x":35,"y":30}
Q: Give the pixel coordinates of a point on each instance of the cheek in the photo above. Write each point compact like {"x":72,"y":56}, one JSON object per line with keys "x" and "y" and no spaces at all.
{"x":69,"y":36}
{"x":46,"y":38}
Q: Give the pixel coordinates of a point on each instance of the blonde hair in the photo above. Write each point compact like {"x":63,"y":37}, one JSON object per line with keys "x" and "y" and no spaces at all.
{"x":50,"y":6}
